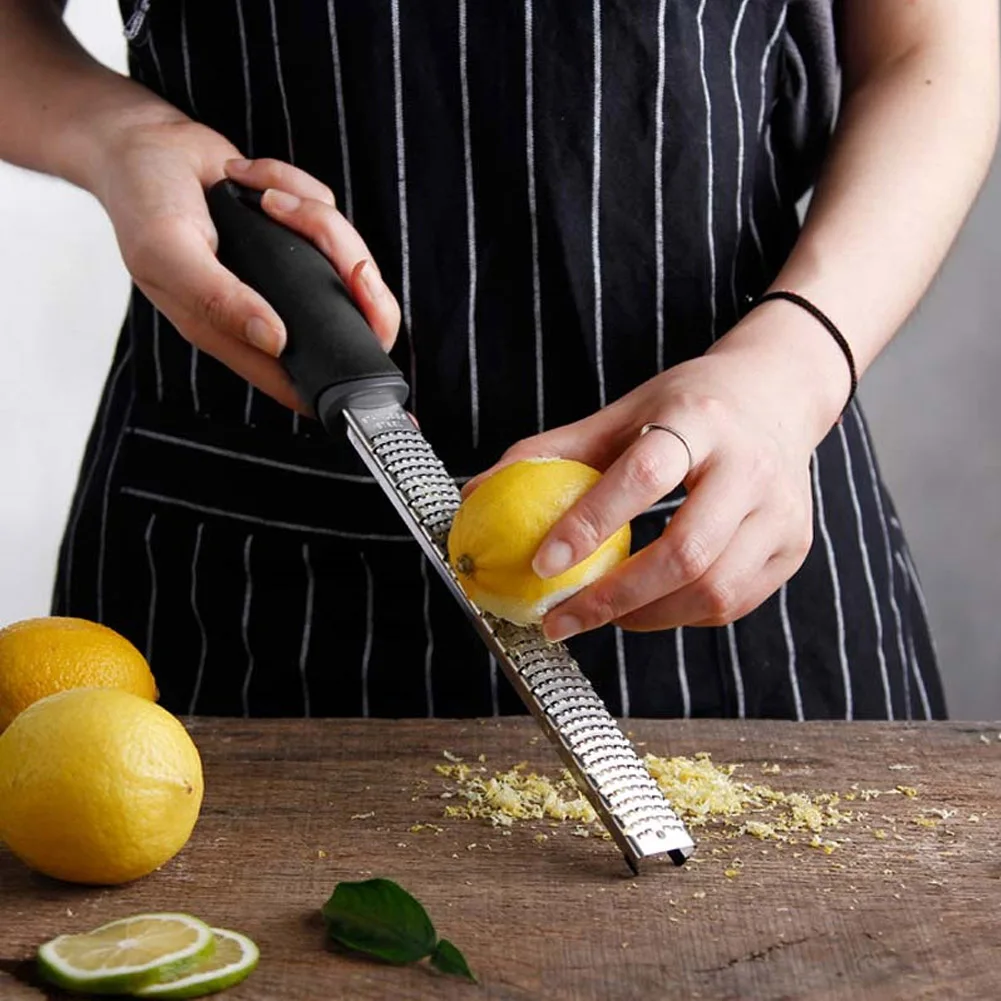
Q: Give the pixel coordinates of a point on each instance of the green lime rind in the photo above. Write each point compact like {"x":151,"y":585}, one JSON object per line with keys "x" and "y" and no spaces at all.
{"x":197,"y":983}
{"x":56,"y":970}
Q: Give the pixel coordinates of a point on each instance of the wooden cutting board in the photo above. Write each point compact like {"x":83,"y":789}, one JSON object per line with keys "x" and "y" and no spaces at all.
{"x":292,"y":807}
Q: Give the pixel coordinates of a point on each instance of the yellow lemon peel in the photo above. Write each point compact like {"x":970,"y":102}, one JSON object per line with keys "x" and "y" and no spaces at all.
{"x":499,"y":527}
{"x":97,"y":786}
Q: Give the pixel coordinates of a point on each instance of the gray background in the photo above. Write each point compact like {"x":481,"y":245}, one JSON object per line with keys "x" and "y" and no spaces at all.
{"x":934,"y":403}
{"x":931,"y":399}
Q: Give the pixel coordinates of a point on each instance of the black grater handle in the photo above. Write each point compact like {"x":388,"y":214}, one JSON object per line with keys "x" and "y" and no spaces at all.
{"x":332,"y":355}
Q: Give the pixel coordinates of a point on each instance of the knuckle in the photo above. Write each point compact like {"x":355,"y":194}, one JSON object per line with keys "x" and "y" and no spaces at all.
{"x":600,"y":607}
{"x":691,"y":556}
{"x":213,"y":305}
{"x":708,"y":409}
{"x":645,"y":470}
{"x":719,"y":597}
{"x":796,"y":519}
{"x":317,"y":221}
{"x":587,"y":528}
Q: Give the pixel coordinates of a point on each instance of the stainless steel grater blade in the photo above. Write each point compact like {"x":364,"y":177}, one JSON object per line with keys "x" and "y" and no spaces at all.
{"x":337,"y":366}
{"x":545,"y":676}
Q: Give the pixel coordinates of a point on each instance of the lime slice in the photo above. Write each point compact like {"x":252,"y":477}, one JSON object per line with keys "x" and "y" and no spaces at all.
{"x":127,"y":954}
{"x":234,"y":960}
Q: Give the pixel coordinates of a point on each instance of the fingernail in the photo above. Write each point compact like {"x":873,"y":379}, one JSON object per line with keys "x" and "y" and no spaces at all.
{"x":239,"y":166}
{"x":553,"y":559}
{"x":375,"y":287}
{"x":562,"y":627}
{"x":260,"y":334}
{"x":282,"y":200}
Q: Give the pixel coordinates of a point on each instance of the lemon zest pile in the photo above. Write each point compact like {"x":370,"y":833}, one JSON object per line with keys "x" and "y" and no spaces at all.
{"x":705,"y":796}
{"x":703,"y":793}
{"x":700,"y":791}
{"x":516,"y":794}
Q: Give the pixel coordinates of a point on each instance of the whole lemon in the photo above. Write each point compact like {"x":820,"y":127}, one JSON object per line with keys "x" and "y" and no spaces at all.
{"x":40,"y":657}
{"x":500,"y":525}
{"x":97,"y":786}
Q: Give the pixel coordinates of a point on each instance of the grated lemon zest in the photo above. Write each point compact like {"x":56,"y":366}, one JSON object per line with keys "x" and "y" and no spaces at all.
{"x":704,"y":795}
{"x":516,"y":794}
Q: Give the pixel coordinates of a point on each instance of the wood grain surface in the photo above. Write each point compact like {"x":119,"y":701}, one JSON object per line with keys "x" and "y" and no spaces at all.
{"x":292,"y":807}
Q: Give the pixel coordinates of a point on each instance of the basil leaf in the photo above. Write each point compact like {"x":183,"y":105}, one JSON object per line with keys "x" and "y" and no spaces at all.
{"x":447,"y":958}
{"x":378,"y":917}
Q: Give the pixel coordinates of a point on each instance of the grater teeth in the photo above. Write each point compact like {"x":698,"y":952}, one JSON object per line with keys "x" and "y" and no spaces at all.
{"x":546,"y":677}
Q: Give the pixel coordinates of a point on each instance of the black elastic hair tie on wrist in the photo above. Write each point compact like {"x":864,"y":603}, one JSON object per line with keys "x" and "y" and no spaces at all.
{"x":826,"y":322}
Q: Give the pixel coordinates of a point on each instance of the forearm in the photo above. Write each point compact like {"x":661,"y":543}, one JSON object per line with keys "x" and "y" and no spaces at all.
{"x":913,"y":145}
{"x":58,"y":106}
{"x":911,"y":152}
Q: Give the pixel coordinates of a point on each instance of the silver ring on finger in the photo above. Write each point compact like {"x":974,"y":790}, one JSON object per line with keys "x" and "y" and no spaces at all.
{"x":677,"y":434}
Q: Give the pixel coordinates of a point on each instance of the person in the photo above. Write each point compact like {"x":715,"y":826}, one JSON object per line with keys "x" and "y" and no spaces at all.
{"x":569,"y":212}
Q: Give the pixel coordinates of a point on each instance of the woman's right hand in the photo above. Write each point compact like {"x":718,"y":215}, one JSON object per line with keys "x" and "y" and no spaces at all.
{"x":152,"y":180}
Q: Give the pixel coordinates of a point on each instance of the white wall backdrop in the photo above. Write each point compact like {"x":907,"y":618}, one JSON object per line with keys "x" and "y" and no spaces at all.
{"x":64,"y":293}
{"x":933,"y":401}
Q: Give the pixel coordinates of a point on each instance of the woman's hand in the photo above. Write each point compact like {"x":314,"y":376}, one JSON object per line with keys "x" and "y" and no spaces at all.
{"x":753,"y":419}
{"x":152,"y":184}
{"x":149,"y":165}
{"x":757,"y":404}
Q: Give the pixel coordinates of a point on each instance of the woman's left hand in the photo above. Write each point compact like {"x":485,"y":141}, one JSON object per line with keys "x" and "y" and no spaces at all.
{"x":746,"y":524}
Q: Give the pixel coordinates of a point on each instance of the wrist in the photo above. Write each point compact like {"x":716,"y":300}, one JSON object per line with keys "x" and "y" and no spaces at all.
{"x":61,"y":108}
{"x":93,"y":139}
{"x":796,"y":362}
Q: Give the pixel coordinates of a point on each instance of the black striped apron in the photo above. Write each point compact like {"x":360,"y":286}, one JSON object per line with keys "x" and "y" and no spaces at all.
{"x":566,"y":199}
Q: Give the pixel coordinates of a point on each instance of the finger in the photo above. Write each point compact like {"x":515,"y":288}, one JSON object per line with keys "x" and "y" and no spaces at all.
{"x":376,"y":301}
{"x":259,"y":369}
{"x":694,"y":539}
{"x":175,"y":262}
{"x":346,"y":250}
{"x":268,"y":173}
{"x":592,"y":441}
{"x":649,"y":469}
{"x":744,"y":576}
